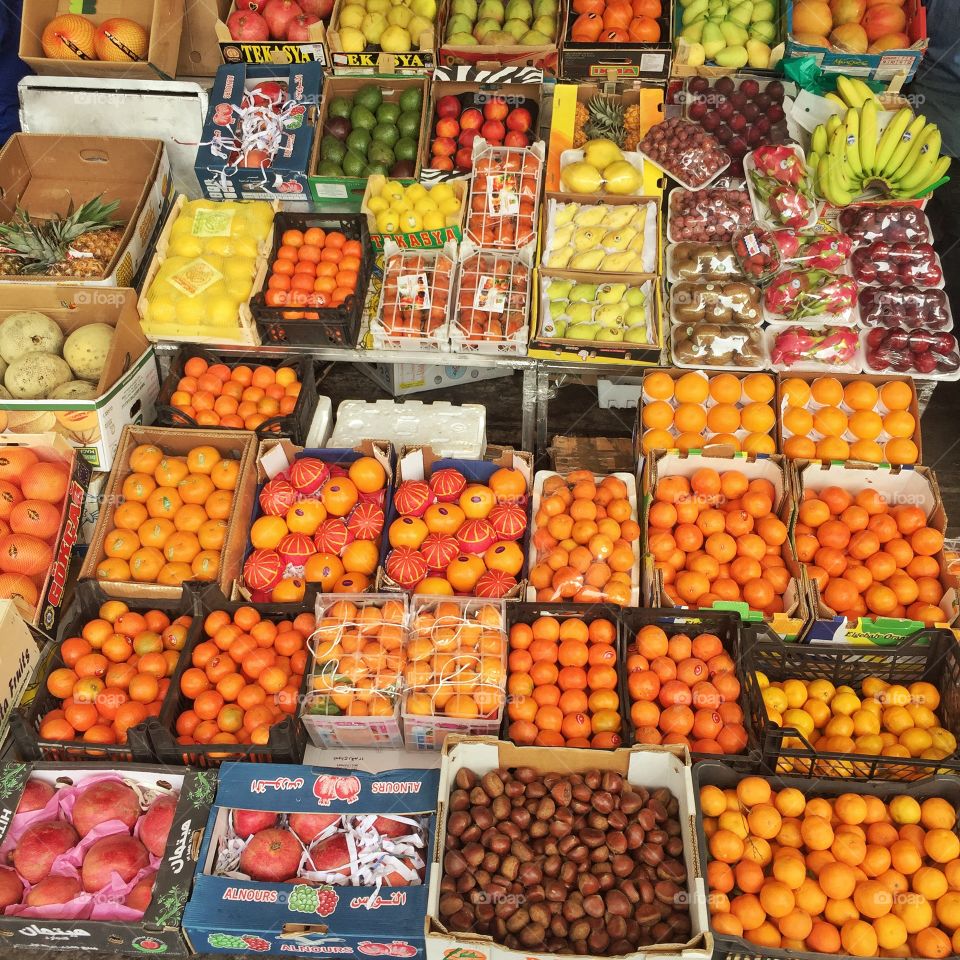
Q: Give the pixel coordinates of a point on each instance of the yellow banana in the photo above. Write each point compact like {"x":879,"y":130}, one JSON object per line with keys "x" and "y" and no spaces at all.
{"x":818,"y":141}
{"x":848,"y":92}
{"x":865,"y":92}
{"x":924,"y":166}
{"x":868,"y":136}
{"x":833,"y":124}
{"x":832,"y":191}
{"x":853,"y":147}
{"x":902,"y":148}
{"x":891,"y":137}
{"x":833,"y":98}
{"x":912,"y":155}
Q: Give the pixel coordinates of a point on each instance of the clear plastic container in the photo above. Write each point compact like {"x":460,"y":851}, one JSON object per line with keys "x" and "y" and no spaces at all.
{"x":924,"y":354}
{"x":504,"y":192}
{"x":701,"y":261}
{"x":815,"y":296}
{"x":718,"y":301}
{"x":710,"y":215}
{"x":719,"y":346}
{"x":892,"y":222}
{"x":779,"y":186}
{"x":685,"y":152}
{"x":822,"y":348}
{"x":910,"y":307}
{"x":814,"y":250}
{"x":897,"y":264}
{"x":756,"y":251}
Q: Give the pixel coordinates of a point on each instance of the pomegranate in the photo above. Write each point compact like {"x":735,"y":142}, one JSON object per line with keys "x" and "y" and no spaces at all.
{"x":140,"y":896}
{"x":53,"y":890}
{"x":255,"y":158}
{"x":272,"y":855}
{"x":155,"y":826}
{"x":103,"y":801}
{"x":247,"y":26}
{"x":309,"y":826}
{"x":11,"y":889}
{"x":298,"y":30}
{"x":116,"y":854}
{"x":278,"y":15}
{"x":388,"y":827}
{"x":331,"y":856}
{"x":36,"y":795}
{"x":248,"y":822}
{"x":40,"y":845}
{"x":319,"y":8}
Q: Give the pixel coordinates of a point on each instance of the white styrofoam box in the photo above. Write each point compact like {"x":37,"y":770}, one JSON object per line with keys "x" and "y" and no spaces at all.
{"x":620,"y":392}
{"x":453,"y":430}
{"x":402,"y":379}
{"x":321,"y":424}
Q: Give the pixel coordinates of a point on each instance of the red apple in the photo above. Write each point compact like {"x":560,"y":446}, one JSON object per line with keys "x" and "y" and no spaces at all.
{"x":515,"y":138}
{"x":495,"y":109}
{"x":247,"y":26}
{"x":441,"y":163}
{"x":464,"y":158}
{"x":319,"y":8}
{"x":278,"y":15}
{"x":443,"y":147}
{"x":298,"y":30}
{"x":519,"y":119}
{"x":467,"y":137}
{"x":448,"y":107}
{"x":471,"y":119}
{"x":448,"y":127}
{"x":493,"y":132}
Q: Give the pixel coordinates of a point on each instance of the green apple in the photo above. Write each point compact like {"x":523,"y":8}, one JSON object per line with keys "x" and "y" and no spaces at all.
{"x":425,"y":8}
{"x":636,"y":334}
{"x":635,"y":315}
{"x":395,"y":40}
{"x":516,"y":29}
{"x":559,"y":290}
{"x":580,"y":312}
{"x":466,"y":8}
{"x":519,"y":10}
{"x":491,"y":10}
{"x":418,"y":26}
{"x":635,"y":297}
{"x":462,"y":40}
{"x":611,"y":292}
{"x":399,"y":16}
{"x":610,"y":315}
{"x":545,"y":8}
{"x":352,"y":15}
{"x":484,"y":28}
{"x":534,"y":38}
{"x":352,"y":40}
{"x":610,"y":335}
{"x":459,"y":24}
{"x":583,"y":331}
{"x":546,"y":26}
{"x":373,"y":26}
{"x":583,"y":291}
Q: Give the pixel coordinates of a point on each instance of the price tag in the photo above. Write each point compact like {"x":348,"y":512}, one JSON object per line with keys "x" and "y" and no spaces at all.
{"x":491,"y":294}
{"x":413,"y":291}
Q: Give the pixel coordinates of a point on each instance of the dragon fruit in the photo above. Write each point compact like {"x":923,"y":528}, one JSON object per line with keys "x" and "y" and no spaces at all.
{"x":834,"y":346}
{"x":824,"y":251}
{"x":790,"y":206}
{"x":788,"y":243}
{"x":779,"y":163}
{"x":796,"y":294}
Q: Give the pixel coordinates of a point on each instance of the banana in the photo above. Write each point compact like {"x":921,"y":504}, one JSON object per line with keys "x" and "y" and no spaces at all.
{"x":832,"y":191}
{"x":924,"y":166}
{"x":913,"y":154}
{"x":910,"y":135}
{"x":891,"y":137}
{"x":833,"y":124}
{"x":865,"y":92}
{"x":849,"y":93}
{"x":939,"y":171}
{"x":840,"y":173}
{"x":818,"y":142}
{"x":813,"y":161}
{"x":868,"y":136}
{"x":853,"y":147}
{"x":833,"y":98}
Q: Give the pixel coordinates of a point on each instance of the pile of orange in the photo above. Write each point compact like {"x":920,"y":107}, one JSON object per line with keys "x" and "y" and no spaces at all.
{"x":857,"y":421}
{"x":240,"y":397}
{"x":868,"y":558}
{"x":716,"y":536}
{"x":696,"y":410}
{"x":684,"y":691}
{"x":584,"y":531}
{"x":313,"y":268}
{"x":358,"y":658}
{"x":115,"y":674}
{"x":563,"y":683}
{"x":851,"y":875}
{"x":455,"y":661}
{"x":172,"y":523}
{"x":882,"y":719}
{"x":245,"y":677}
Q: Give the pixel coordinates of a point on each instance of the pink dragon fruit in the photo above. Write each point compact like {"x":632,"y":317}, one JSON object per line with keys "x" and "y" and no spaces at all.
{"x":788,"y":243}
{"x":836,"y":346}
{"x":779,"y":163}
{"x":797,"y":294}
{"x":828,"y":251}
{"x":790,"y":206}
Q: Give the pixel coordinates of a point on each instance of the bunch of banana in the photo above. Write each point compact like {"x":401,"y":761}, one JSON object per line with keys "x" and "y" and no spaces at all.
{"x":847,"y":157}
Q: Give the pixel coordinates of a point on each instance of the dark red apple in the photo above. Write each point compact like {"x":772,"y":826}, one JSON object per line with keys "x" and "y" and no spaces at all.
{"x":448,"y":107}
{"x":471,"y":119}
{"x":247,"y":26}
{"x":493,"y":132}
{"x":519,"y":119}
{"x":298,"y":30}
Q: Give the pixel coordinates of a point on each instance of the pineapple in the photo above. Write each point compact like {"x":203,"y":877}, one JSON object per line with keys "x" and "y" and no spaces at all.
{"x":49,"y":247}
{"x":606,"y":120}
{"x":633,"y":120}
{"x":580,"y":120}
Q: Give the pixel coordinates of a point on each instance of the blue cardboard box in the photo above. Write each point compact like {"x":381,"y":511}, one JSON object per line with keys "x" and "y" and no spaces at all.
{"x":286,"y":177}
{"x":231,"y":913}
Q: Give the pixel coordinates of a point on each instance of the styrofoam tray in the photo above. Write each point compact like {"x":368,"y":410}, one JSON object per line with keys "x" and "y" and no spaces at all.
{"x":321,"y":424}
{"x":760,"y":207}
{"x":453,"y":430}
{"x":771,"y":332}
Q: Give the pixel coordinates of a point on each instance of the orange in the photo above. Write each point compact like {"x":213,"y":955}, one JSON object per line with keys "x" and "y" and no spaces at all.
{"x":137,"y":487}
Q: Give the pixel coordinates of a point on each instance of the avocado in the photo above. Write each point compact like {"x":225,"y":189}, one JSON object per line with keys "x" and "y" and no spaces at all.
{"x":339,"y":107}
{"x":386,"y":133}
{"x":380,"y":153}
{"x":327,"y":168}
{"x":388,"y":112}
{"x":368,"y":96}
{"x":373,"y":168}
{"x":363,"y":118}
{"x":408,"y":123}
{"x":353,"y":164}
{"x":411,"y":101}
{"x":332,"y":149}
{"x":405,"y":149}
{"x":359,"y":142}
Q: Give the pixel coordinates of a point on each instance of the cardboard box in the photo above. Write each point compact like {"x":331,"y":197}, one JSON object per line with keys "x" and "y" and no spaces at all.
{"x":421,"y":239}
{"x":674,"y":463}
{"x":599,"y":455}
{"x":275,"y":52}
{"x":128,"y":385}
{"x":916,"y":486}
{"x":46,"y":173}
{"x":403,"y":379}
{"x":22,"y":653}
{"x":618,"y":61}
{"x":890,"y":64}
{"x":162,"y":19}
{"x":348,"y":191}
{"x":53,"y":448}
{"x":236,"y":444}
{"x":353,"y":920}
{"x":199,"y":47}
{"x":286,"y":177}
{"x":159,"y":929}
{"x":419,"y":463}
{"x":650,"y":767}
{"x":422,"y":58}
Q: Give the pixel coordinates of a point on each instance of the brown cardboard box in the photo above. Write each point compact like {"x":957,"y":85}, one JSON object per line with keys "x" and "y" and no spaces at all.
{"x":47,"y":173}
{"x":163,"y":20}
{"x":420,"y":59}
{"x":199,"y":47}
{"x":238,"y":444}
{"x":278,"y":52}
{"x":128,"y":385}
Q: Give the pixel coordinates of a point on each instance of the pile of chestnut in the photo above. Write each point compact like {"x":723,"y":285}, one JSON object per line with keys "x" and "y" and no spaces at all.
{"x":579,"y":863}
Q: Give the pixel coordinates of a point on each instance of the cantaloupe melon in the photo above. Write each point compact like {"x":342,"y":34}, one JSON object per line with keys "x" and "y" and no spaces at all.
{"x":86,"y":350}
{"x":29,"y":332}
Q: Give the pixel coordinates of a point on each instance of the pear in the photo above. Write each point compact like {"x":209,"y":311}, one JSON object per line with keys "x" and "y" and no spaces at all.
{"x":636,"y":265}
{"x":636,"y":334}
{"x":621,"y":178}
{"x":619,"y":218}
{"x":602,"y":152}
{"x":590,"y":216}
{"x":587,"y":260}
{"x":635,"y":297}
{"x":637,"y":244}
{"x":758,"y":54}
{"x":763,"y":10}
{"x":558,"y":308}
{"x":558,"y":259}
{"x":458,"y":23}
{"x":581,"y":177}
{"x":763,"y":30}
{"x":562,"y":237}
{"x":617,"y":240}
{"x":694,"y":32}
{"x":609,"y":335}
{"x":733,"y":33}
{"x":583,"y":292}
{"x":742,"y":13}
{"x":546,"y":25}
{"x":519,"y":10}
{"x":586,"y":238}
{"x":545,"y":8}
{"x":610,"y":315}
{"x":582,"y":331}
{"x":735,"y":57}
{"x":611,"y":292}
{"x":617,"y":262}
{"x":516,"y":28}
{"x":559,"y":289}
{"x":484,"y":28}
{"x":695,"y":55}
{"x":634,"y":316}
{"x":580,"y":312}
{"x":565,"y":213}
{"x":712,"y":40}
{"x":559,"y":328}
{"x":640,"y":218}
{"x":458,"y":40}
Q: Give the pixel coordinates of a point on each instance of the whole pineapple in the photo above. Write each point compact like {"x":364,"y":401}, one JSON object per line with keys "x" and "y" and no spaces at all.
{"x":606,"y":120}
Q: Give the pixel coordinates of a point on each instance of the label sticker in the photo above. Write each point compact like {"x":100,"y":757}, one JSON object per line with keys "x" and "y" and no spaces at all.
{"x":503,"y":195}
{"x":491,"y":294}
{"x":213,"y":223}
{"x":413,"y":291}
{"x":195,"y":277}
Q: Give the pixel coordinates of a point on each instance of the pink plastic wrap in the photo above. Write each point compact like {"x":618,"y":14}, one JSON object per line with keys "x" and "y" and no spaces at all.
{"x":900,"y":263}
{"x":910,"y":307}
{"x":892,"y":222}
{"x":685,"y":151}
{"x":821,"y":251}
{"x":921,"y":353}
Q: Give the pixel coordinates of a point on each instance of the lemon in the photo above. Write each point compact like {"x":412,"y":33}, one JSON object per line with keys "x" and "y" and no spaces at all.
{"x":401,"y":206}
{"x":239,"y":289}
{"x":425,"y":205}
{"x":377,"y":205}
{"x":411,"y":221}
{"x":223,"y":246}
{"x":415,"y":192}
{"x":222,"y":311}
{"x":441,"y":192}
{"x":904,"y":809}
{"x":186,"y":246}
{"x":191,"y":311}
{"x":388,"y":221}
{"x":434,"y":220}
{"x":239,"y":268}
{"x":392,"y":190}
{"x":244,"y":247}
{"x":163,"y":310}
{"x":450,"y":205}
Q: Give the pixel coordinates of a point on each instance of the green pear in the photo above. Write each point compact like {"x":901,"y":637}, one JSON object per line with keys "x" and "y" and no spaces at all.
{"x":610,"y":315}
{"x":635,"y":297}
{"x":636,"y":334}
{"x":735,"y":57}
{"x":609,"y":335}
{"x":712,"y":40}
{"x":545,"y":8}
{"x":742,"y":13}
{"x":582,"y":331}
{"x":534,"y":38}
{"x":519,"y":10}
{"x":491,"y":9}
{"x":583,"y":292}
{"x":558,"y":308}
{"x":763,"y":30}
{"x":465,"y":8}
{"x":694,"y":32}
{"x":611,"y":292}
{"x":462,"y":40}
{"x":733,"y":33}
{"x":758,"y":55}
{"x":516,"y":28}
{"x":559,"y":290}
{"x":580,"y":312}
{"x":763,"y":10}
{"x":634,"y":316}
{"x":460,"y":24}
{"x":559,"y":328}
{"x":546,"y":25}
{"x":693,"y":11}
{"x":484,"y":28}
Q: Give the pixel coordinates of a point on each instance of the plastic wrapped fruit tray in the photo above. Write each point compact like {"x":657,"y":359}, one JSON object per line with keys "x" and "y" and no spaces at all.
{"x":813,"y":348}
{"x":709,"y":215}
{"x":685,"y":152}
{"x":716,"y":301}
{"x":719,"y":346}
{"x":911,"y":307}
{"x":921,"y":353}
{"x":897,"y":264}
{"x":892,"y":222}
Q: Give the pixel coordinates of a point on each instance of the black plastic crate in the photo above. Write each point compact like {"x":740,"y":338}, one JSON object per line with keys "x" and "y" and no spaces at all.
{"x":929,"y":655}
{"x":294,"y":425}
{"x":25,"y":721}
{"x":287,"y":738}
{"x":719,"y":774}
{"x":730,"y":629}
{"x":336,"y":326}
{"x":528,"y":612}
